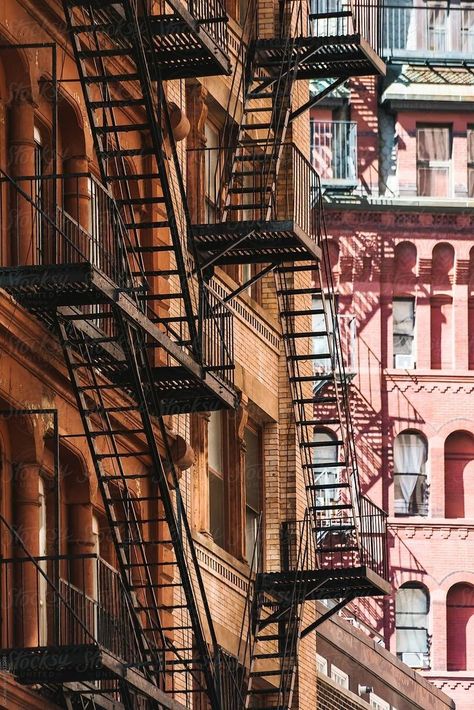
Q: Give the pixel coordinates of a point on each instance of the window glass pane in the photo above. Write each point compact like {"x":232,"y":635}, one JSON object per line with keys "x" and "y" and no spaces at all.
{"x":433,"y":182}
{"x":403,"y":326}
{"x":216,"y":508}
{"x":411,"y":618}
{"x":433,"y":143}
{"x":215,"y":433}
{"x":251,"y":527}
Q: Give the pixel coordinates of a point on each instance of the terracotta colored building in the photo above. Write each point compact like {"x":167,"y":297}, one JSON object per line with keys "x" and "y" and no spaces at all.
{"x":395,"y":156}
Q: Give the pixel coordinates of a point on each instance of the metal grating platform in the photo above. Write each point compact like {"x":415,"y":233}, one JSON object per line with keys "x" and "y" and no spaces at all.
{"x":325,"y":584}
{"x":322,"y":57}
{"x":256,"y":241}
{"x":78,"y":288}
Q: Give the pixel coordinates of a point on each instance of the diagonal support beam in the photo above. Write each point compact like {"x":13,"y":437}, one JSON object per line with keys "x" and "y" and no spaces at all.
{"x":250,"y":282}
{"x":319,"y":97}
{"x":327,"y":615}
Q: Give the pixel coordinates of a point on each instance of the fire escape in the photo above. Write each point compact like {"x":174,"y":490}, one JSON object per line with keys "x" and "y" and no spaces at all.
{"x":142,"y":337}
{"x":269,"y":212}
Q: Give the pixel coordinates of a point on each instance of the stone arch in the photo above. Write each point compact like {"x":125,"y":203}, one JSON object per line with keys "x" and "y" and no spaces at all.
{"x":460,"y":627}
{"x":442,"y":267}
{"x":405,"y":266}
{"x":459,"y":474}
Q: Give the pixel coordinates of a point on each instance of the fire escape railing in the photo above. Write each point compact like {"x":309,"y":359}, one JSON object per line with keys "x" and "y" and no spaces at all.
{"x":85,"y":227}
{"x":62,"y":612}
{"x":370,"y":552}
{"x":290,"y":199}
{"x":338,"y":18}
{"x":419,"y":32}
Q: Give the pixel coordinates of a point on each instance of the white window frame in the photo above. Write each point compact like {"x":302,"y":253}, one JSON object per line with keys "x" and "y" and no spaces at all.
{"x":398,"y":362}
{"x":449,"y":163}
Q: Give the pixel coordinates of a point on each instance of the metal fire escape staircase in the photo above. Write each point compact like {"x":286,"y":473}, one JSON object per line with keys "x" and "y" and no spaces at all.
{"x":338,"y":550}
{"x":96,"y":297}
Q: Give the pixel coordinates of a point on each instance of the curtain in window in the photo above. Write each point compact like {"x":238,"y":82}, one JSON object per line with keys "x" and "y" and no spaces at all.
{"x":412,"y":620}
{"x":409,"y":457}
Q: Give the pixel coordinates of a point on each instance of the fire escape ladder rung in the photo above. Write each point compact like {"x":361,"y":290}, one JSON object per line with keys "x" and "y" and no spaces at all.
{"x":137,"y":547}
{"x":109,"y":128}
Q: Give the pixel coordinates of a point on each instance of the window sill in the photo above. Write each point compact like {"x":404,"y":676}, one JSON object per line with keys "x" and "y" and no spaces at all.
{"x":430,"y":375}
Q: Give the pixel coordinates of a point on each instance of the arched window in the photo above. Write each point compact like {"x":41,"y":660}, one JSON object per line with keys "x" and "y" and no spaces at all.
{"x":412,"y":605}
{"x":460,"y":627}
{"x":410,"y":453}
{"x":326,"y":455}
{"x":459,"y":475}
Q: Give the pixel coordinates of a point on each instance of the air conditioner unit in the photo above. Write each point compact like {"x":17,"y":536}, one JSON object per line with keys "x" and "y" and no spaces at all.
{"x":404,"y":362}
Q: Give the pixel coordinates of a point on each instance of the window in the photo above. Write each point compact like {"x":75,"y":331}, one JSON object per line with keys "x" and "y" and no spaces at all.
{"x":216,"y":478}
{"x":211,"y":175}
{"x":437,"y":29}
{"x":411,"y":620}
{"x":323,"y":329}
{"x":467,"y":29}
{"x":253,"y":492}
{"x":39,"y":196}
{"x":321,"y":664}
{"x":410,"y":454}
{"x":326,"y":453}
{"x":377,"y":703}
{"x":470,"y":161}
{"x":433,"y":149}
{"x":404,"y":333}
{"x":340,"y":677}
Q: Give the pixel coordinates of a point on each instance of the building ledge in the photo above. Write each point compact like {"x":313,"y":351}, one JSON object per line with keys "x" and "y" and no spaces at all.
{"x":428,"y":375}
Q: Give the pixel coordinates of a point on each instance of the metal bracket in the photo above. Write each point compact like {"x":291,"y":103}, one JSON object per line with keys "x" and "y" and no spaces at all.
{"x":319,"y":97}
{"x":327,"y":615}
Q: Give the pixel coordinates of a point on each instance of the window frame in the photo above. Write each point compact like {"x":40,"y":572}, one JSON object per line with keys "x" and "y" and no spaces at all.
{"x":420,"y":490}
{"x":257,"y":431}
{"x":221,"y":539}
{"x":425,"y":653}
{"x":413,"y":353}
{"x":428,"y":163}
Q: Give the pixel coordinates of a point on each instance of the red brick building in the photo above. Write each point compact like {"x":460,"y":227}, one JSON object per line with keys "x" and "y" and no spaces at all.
{"x":396,"y":158}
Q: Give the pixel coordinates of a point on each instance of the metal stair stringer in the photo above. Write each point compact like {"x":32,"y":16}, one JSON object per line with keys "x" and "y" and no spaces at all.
{"x":124,"y":29}
{"x":164,"y":627}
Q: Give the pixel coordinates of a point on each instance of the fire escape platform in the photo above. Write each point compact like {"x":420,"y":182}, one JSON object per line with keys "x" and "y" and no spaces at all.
{"x":44,"y":289}
{"x":255,"y":241}
{"x":182,"y":48}
{"x":322,"y":57}
{"x":77,"y":664}
{"x":326,"y":583}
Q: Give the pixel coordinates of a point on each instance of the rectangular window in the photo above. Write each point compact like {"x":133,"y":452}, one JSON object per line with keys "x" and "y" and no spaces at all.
{"x":211,"y":173}
{"x":433,"y":160}
{"x":340,"y":677}
{"x":467,"y":29}
{"x":253,"y":489}
{"x":437,"y":29}
{"x":216,"y":478}
{"x":404,"y":333}
{"x":470,"y":161}
{"x":323,"y":330}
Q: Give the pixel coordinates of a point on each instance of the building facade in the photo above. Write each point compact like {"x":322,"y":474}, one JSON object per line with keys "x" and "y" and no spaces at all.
{"x":394,"y":154}
{"x":164,"y":538}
